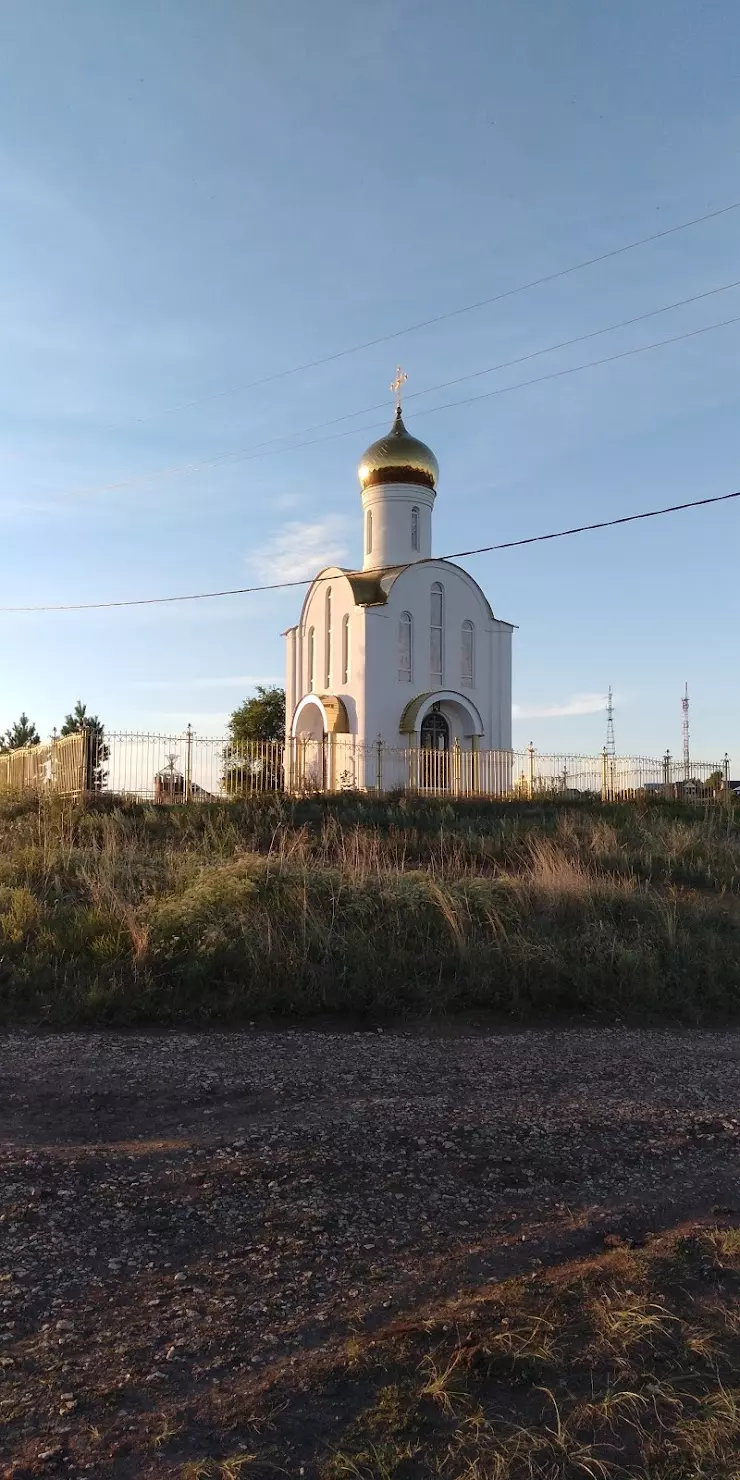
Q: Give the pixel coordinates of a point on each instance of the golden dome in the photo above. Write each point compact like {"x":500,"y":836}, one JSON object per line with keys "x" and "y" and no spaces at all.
{"x":398,"y":458}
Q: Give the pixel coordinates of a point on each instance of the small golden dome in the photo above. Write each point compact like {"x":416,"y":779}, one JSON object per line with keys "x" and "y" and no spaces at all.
{"x":398,"y":458}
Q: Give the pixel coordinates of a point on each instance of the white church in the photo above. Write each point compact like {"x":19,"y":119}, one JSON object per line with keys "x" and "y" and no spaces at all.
{"x":407,"y":650}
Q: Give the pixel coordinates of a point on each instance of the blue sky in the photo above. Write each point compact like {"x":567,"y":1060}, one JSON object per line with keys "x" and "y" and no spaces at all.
{"x":197,"y":195}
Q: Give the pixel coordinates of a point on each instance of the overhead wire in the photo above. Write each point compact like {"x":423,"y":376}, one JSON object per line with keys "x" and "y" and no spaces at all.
{"x":533,"y":539}
{"x":354,"y":349}
{"x":267,"y":449}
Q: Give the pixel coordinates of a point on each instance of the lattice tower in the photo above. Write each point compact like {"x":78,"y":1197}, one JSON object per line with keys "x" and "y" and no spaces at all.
{"x":610,"y":745}
{"x":685,"y":728}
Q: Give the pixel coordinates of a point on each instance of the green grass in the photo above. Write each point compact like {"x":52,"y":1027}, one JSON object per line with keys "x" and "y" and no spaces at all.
{"x":367,"y":906}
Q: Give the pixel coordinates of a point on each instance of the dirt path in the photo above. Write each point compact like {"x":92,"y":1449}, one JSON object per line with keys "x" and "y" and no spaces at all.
{"x":183,"y":1214}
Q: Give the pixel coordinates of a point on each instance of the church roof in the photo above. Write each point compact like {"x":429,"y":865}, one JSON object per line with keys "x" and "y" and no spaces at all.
{"x":372,"y":588}
{"x":398,"y":458}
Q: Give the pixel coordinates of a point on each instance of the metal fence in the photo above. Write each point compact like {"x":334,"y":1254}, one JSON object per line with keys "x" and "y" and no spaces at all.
{"x":171,"y":769}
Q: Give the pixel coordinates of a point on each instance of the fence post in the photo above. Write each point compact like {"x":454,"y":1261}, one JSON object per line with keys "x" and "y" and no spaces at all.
{"x":412,"y":766}
{"x":84,"y":760}
{"x":188,"y":762}
{"x":475,"y":765}
{"x":530,"y":779}
{"x":379,"y":763}
{"x":604,"y":775}
{"x":726,"y":777}
{"x":667,"y":771}
{"x":329,"y":762}
{"x":456,"y":767}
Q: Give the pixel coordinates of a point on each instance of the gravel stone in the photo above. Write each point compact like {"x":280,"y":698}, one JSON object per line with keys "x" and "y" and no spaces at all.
{"x":178,"y":1208}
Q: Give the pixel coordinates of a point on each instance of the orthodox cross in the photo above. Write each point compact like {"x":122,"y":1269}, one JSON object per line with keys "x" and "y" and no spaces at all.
{"x":395,"y":385}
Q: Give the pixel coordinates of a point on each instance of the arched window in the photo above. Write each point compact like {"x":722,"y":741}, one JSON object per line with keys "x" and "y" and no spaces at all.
{"x":406,"y":647}
{"x":369,"y":532}
{"x":345,"y":648}
{"x":415,"y":529}
{"x":437,"y":633}
{"x":327,"y":641}
{"x":311,"y":659}
{"x":467,"y":653}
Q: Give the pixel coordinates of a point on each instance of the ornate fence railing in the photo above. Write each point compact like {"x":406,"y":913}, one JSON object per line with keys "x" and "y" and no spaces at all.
{"x":186,"y":767}
{"x":189,"y":767}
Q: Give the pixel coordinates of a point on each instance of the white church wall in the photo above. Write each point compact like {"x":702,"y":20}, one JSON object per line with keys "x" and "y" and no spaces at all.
{"x":291,"y":692}
{"x":501,"y":664}
{"x":374,"y":693}
{"x":392,"y":508}
{"x":387,"y":694}
{"x":352,"y":692}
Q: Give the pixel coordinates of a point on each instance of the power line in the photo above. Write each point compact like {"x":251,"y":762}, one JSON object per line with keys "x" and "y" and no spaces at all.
{"x":440,"y":318}
{"x":265,"y":449}
{"x":534,"y":354}
{"x":533,"y":539}
{"x":549,"y":349}
{"x":624,"y":354}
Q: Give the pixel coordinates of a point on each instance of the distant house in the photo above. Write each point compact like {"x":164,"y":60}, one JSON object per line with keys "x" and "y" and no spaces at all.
{"x":169,"y":788}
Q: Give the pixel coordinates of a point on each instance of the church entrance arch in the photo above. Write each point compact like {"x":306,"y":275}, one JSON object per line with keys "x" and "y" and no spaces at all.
{"x":308,"y":746}
{"x":318,"y":721}
{"x":441,"y":728}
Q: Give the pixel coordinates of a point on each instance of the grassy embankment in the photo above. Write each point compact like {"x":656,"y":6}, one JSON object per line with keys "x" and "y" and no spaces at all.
{"x":360,"y":905}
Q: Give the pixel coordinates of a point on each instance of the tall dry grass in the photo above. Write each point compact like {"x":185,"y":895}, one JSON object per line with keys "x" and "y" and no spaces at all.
{"x":366,"y":906}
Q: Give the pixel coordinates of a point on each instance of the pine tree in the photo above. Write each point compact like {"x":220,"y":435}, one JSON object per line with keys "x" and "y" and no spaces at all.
{"x":22,"y":733}
{"x":97,"y":752}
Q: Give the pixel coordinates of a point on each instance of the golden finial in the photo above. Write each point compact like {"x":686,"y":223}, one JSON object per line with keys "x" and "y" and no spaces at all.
{"x":395,"y":386}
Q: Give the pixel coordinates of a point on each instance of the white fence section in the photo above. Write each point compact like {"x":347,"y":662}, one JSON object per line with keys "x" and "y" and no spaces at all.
{"x":169,"y":769}
{"x":188,"y":767}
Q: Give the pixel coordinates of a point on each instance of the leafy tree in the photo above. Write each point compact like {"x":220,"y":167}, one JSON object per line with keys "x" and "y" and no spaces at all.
{"x":96,"y":751}
{"x":260,"y":718}
{"x":252,"y":761}
{"x":715,"y":781}
{"x":22,"y":733}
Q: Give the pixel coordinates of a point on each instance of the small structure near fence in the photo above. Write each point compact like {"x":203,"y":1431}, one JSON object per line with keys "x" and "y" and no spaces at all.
{"x":174,"y":769}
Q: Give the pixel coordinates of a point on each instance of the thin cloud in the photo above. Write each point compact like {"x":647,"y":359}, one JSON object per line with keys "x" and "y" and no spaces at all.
{"x":578,"y":705}
{"x":300,"y":549}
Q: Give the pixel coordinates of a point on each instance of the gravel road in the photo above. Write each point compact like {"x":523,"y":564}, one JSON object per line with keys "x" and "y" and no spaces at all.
{"x":183,"y":1214}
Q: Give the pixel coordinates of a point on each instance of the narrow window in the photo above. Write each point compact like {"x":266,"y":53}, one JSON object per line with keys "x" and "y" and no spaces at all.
{"x":345,"y":649}
{"x":327,"y":664}
{"x":415,"y":529}
{"x":369,"y":531}
{"x":436,"y":645}
{"x":467,"y":653}
{"x":311,"y":659}
{"x":406,"y":647}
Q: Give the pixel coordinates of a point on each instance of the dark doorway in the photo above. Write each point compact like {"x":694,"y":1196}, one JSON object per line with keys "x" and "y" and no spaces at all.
{"x":435,"y":748}
{"x":435,"y":731}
